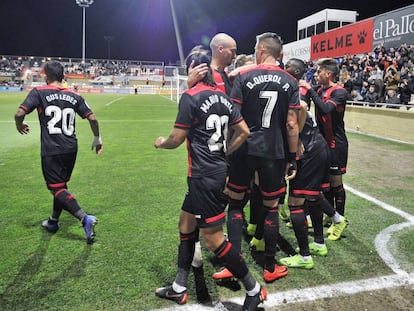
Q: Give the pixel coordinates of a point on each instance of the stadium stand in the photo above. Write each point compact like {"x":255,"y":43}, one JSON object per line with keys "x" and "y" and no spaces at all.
{"x":358,"y":73}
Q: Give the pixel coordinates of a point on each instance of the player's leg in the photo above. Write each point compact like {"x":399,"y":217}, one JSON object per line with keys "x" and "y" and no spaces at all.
{"x":57,"y":171}
{"x":230,"y":258}
{"x":237,"y":186}
{"x":178,"y":290}
{"x":271,"y":176}
{"x":198,"y":271}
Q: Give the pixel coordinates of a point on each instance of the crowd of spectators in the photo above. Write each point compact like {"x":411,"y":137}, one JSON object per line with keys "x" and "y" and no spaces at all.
{"x":382,"y":76}
{"x":14,"y":67}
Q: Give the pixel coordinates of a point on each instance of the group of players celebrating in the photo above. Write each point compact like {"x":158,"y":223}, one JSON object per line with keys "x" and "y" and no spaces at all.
{"x":249,"y":133}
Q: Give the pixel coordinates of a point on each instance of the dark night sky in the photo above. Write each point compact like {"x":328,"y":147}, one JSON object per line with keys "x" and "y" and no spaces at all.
{"x":144,"y":29}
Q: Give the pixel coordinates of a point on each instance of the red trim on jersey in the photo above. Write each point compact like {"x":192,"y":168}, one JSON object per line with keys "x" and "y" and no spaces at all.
{"x":59,"y":185}
{"x":237,"y":121}
{"x":265,"y":67}
{"x":294,"y":106}
{"x":187,"y":237}
{"x":297,"y":211}
{"x":221,"y":85}
{"x":180,"y":125}
{"x":215,"y":218}
{"x":23,"y":107}
{"x":274,"y":193}
{"x":199,"y":87}
{"x":50,"y":87}
{"x":237,"y":188}
{"x":306,"y":192}
{"x":325,"y":185}
{"x":236,"y":100}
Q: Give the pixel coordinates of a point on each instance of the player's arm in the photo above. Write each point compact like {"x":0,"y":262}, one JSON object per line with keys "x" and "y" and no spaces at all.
{"x":22,"y":128}
{"x":302,"y":114}
{"x":97,"y":140}
{"x":325,"y":107}
{"x":232,"y":75}
{"x":175,"y":139}
{"x":292,"y":127}
{"x":240,"y":132}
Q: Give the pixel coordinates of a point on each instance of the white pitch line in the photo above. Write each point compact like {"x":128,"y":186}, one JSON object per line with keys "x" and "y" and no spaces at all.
{"x":339,"y":289}
{"x":113,"y":101}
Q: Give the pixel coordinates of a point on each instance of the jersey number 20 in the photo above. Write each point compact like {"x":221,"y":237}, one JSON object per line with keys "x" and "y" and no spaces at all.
{"x":67,"y":116}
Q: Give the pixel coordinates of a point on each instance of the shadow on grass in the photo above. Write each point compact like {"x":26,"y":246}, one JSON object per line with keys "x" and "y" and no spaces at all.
{"x":24,"y":292}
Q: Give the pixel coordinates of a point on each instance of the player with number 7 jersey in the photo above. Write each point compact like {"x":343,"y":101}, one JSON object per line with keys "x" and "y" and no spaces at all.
{"x":265,"y":93}
{"x":268,"y":98}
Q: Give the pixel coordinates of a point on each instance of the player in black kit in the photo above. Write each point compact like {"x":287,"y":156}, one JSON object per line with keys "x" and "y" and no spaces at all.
{"x":306,"y":188}
{"x":56,"y":107}
{"x":330,"y":103}
{"x":268,"y":98}
{"x":204,"y":116}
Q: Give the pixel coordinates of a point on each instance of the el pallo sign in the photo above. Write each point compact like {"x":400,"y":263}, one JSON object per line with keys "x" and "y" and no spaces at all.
{"x":394,"y":28}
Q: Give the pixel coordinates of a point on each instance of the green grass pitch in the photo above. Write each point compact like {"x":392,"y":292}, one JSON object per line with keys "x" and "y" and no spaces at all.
{"x":136,"y":192}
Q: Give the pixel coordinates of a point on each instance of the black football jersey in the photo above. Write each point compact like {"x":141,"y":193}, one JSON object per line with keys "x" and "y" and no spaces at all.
{"x":222,"y":80}
{"x":266,"y":93}
{"x":332,"y":124}
{"x":56,"y":108}
{"x":207,"y":113}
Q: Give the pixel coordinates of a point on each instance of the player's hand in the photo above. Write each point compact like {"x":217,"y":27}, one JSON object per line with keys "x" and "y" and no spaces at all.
{"x":23,"y":128}
{"x":97,"y":144}
{"x":291,"y":170}
{"x":196,"y":73}
{"x":305,"y":84}
{"x":159,"y":141}
{"x":291,"y":166}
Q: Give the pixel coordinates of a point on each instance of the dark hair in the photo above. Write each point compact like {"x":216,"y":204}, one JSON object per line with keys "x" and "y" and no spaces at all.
{"x":272,"y":42}
{"x":200,"y":56}
{"x":54,"y":71}
{"x":329,"y":64}
{"x":296,"y":67}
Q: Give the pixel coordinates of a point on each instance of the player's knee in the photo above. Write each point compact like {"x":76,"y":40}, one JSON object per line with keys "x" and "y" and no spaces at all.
{"x":56,"y":189}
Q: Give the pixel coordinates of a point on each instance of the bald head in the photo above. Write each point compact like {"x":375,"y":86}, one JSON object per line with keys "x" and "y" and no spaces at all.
{"x":221,"y":39}
{"x":223,"y":50}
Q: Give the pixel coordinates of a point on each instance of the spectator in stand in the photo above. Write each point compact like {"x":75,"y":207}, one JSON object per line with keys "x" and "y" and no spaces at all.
{"x":392,"y":99}
{"x":372,"y":96}
{"x":391,"y":78}
{"x":406,"y":88}
{"x":345,"y":81}
{"x":356,"y":81}
{"x":375,"y":74}
{"x":356,"y":96}
{"x":380,"y":49}
{"x":364,"y":89}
